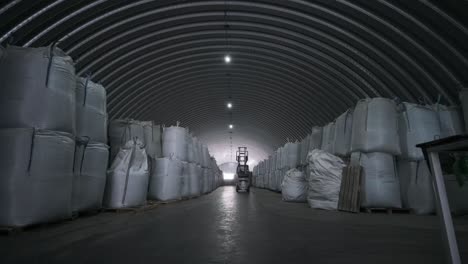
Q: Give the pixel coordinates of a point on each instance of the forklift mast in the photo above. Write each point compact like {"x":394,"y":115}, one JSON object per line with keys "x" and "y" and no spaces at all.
{"x":242,"y":156}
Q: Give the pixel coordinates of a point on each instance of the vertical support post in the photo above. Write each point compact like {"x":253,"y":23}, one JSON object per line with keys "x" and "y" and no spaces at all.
{"x":443,"y":209}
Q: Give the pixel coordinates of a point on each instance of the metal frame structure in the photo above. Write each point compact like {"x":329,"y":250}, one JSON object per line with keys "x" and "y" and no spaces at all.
{"x":431,"y":152}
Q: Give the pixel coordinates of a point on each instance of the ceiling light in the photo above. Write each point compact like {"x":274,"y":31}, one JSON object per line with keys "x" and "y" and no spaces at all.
{"x":231,"y":126}
{"x":227,"y":59}
{"x":229,"y":105}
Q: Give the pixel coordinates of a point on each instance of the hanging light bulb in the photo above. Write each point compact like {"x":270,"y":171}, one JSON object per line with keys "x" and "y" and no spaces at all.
{"x":231,"y":126}
{"x":229,"y":105}
{"x":227,"y":59}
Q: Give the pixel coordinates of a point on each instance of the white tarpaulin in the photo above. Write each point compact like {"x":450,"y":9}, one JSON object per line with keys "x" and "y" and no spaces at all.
{"x":127,"y":178}
{"x":324,"y":179}
{"x":294,"y":186}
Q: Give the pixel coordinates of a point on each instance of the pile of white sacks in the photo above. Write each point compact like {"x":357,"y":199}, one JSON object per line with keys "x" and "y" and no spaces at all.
{"x":381,"y":136}
{"x":158,"y":163}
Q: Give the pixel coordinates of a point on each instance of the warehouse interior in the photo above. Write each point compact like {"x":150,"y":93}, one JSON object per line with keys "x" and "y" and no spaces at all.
{"x":123,"y":126}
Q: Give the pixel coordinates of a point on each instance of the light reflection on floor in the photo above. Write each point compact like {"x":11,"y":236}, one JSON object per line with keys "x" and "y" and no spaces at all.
{"x":228,"y":222}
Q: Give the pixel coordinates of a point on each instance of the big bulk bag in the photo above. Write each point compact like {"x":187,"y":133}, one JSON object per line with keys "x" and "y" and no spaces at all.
{"x":185,"y":180}
{"x":152,"y":134}
{"x":304,"y":150}
{"x":328,"y":138}
{"x":342,"y":134}
{"x":89,"y":175}
{"x":375,"y":126}
{"x":38,"y":89}
{"x":128,"y":177}
{"x":416,"y":186}
{"x":417,"y":124}
{"x":91,"y":110}
{"x":194,"y":179}
{"x":324,"y":179}
{"x":166,"y":181}
{"x":294,"y":186}
{"x":463,"y":95}
{"x":175,"y":143}
{"x":380,"y":187}
{"x":450,"y":119}
{"x":123,"y":130}
{"x":315,"y":141}
{"x":36,"y":176}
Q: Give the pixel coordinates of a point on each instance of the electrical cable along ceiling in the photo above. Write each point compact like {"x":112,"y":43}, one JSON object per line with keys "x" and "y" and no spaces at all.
{"x":294,"y":64}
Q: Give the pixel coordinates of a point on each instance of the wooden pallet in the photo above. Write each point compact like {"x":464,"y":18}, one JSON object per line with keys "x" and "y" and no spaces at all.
{"x":349,"y":197}
{"x":387,"y":210}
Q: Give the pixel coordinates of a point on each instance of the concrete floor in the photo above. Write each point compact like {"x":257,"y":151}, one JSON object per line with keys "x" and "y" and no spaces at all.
{"x":226,"y":227}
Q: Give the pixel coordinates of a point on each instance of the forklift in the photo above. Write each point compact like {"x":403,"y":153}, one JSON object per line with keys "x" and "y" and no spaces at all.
{"x":243,"y":174}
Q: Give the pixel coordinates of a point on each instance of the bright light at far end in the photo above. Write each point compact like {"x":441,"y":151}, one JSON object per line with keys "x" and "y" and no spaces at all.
{"x":228,"y":176}
{"x":227,"y":59}
{"x":231,"y":126}
{"x":229,"y":105}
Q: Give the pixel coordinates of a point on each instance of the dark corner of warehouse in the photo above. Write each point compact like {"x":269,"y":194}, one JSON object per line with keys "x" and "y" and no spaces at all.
{"x":246,"y":131}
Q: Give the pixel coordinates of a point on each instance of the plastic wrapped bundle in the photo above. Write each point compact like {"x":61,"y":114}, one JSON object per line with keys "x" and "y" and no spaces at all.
{"x":324,"y":179}
{"x":451,"y":120}
{"x":38,"y":89}
{"x":123,"y":130}
{"x":315,"y":141}
{"x":380,"y":187}
{"x":194,"y":172}
{"x":89,"y":171}
{"x":294,"y":186}
{"x":91,"y":111}
{"x":416,"y":186}
{"x":175,"y":143}
{"x":417,"y":124}
{"x":37,"y":175}
{"x":166,"y":180}
{"x":128,"y":177}
{"x":375,"y":127}
{"x":342,"y":134}
{"x":328,"y":137}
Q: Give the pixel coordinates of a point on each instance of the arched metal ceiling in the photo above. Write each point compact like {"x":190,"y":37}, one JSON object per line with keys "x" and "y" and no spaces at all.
{"x":295,"y":63}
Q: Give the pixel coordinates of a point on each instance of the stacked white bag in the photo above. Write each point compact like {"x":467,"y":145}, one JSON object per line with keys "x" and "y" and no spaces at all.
{"x":374,"y":145}
{"x":128,"y":177}
{"x":417,"y":124}
{"x":342,"y":134}
{"x":328,"y":138}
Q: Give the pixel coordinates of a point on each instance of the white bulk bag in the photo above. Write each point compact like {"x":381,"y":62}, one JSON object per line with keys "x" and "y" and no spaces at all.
{"x":128,"y":177}
{"x":166,"y":180}
{"x":152,"y":134}
{"x":294,"y":186}
{"x":417,"y":124}
{"x":37,"y":89}
{"x":36,"y":176}
{"x":380,"y":187}
{"x":290,"y":155}
{"x":194,"y":171}
{"x":315,"y":141}
{"x":279,"y":158}
{"x":418,"y":193}
{"x":91,"y":111}
{"x":464,"y":104}
{"x":89,"y":180}
{"x":342,"y":135}
{"x":451,"y":120}
{"x":185,"y":180}
{"x":324,"y":179}
{"x":304,"y":150}
{"x":175,"y":143}
{"x":375,"y":126}
{"x":123,"y":130}
{"x":328,"y":138}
